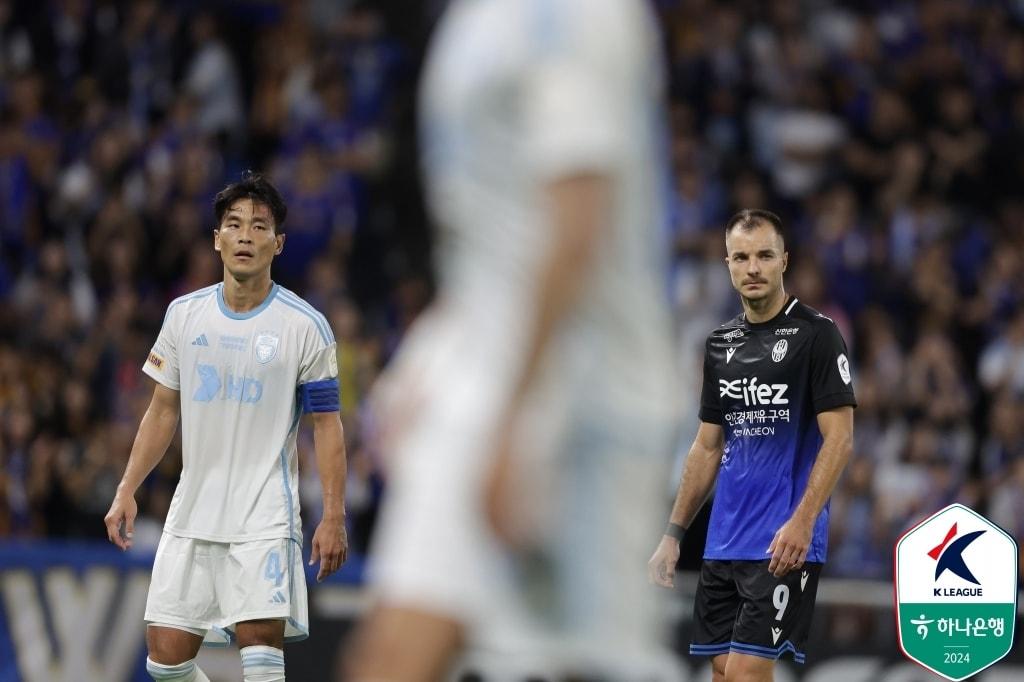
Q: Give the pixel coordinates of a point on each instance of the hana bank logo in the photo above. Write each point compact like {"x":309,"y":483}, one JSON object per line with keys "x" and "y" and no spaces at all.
{"x":950,"y":556}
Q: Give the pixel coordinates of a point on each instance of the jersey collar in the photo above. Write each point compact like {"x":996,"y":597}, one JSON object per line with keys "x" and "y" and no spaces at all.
{"x":786,"y":309}
{"x":228,"y":312}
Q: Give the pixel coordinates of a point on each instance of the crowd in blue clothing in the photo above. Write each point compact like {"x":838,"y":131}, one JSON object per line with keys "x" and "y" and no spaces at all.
{"x":888,"y":135}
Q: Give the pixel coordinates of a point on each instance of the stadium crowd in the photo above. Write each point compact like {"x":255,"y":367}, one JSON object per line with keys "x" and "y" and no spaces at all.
{"x":888,"y":135}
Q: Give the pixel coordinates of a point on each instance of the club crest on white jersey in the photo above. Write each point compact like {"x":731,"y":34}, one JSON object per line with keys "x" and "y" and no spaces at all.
{"x":266,"y":346}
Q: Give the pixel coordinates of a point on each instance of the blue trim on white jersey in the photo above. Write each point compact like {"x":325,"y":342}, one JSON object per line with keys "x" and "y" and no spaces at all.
{"x":289,"y":298}
{"x":304,"y":632}
{"x":197,"y":294}
{"x":228,"y":312}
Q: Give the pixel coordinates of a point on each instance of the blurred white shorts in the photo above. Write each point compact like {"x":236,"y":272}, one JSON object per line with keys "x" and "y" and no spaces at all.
{"x":599,"y":488}
{"x":211,"y":586}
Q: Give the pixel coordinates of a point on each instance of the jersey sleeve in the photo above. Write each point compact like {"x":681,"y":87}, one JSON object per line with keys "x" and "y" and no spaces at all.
{"x":577,"y":88}
{"x":710,"y":404}
{"x":318,"y":385}
{"x":831,"y":380}
{"x":162,"y":362}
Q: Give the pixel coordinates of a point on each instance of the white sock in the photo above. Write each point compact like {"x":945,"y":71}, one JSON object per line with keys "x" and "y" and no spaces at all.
{"x":183,"y":672}
{"x":262,"y":664}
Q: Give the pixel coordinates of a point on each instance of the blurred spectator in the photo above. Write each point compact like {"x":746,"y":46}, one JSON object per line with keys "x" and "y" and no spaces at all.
{"x":1001,"y":365}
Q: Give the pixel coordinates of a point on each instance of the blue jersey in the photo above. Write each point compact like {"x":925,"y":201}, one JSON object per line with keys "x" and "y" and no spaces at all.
{"x":765,"y":384}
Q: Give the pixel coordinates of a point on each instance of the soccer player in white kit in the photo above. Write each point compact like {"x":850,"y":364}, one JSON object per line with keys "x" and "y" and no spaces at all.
{"x":240,"y":361}
{"x":529,"y":415}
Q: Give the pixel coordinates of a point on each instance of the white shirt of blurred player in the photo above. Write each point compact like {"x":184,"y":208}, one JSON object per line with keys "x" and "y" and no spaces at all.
{"x":520,"y":92}
{"x":238,"y":375}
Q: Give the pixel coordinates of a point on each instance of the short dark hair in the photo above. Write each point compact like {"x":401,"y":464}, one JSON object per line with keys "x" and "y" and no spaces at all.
{"x":256,"y":187}
{"x":750,"y":218}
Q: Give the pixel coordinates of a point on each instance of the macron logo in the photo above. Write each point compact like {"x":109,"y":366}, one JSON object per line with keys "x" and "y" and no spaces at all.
{"x":201,"y":341}
{"x":951,"y":557}
{"x":728,"y":355}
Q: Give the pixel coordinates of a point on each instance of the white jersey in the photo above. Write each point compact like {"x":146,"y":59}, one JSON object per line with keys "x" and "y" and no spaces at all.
{"x":518,"y":93}
{"x":239,"y":376}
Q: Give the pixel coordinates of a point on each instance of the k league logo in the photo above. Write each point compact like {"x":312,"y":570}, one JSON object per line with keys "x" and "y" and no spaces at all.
{"x":956,"y":592}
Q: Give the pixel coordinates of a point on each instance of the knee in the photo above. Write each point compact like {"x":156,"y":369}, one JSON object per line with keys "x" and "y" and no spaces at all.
{"x":260,"y":633}
{"x":171,"y":647}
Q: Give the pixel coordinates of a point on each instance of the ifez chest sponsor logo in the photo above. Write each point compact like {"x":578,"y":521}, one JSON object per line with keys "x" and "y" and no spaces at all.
{"x":956,"y":592}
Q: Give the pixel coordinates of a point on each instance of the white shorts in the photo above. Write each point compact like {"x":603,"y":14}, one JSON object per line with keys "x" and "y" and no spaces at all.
{"x":211,"y":586}
{"x":600,"y":492}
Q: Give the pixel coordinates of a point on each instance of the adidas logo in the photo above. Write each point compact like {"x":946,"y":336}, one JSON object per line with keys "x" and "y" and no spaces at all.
{"x":278,"y":598}
{"x":201,"y":341}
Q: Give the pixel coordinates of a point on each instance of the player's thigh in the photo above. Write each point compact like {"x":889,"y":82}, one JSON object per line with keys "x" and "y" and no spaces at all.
{"x":776,"y":613}
{"x":718,"y":664}
{"x":407,"y":644}
{"x":170,"y":645}
{"x":715,"y":608}
{"x":747,"y":668}
{"x":264,"y":632}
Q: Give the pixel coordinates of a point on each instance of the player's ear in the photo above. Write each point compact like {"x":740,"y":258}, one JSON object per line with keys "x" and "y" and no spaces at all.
{"x":279,"y":238}
{"x":785,"y":260}
{"x":216,"y":239}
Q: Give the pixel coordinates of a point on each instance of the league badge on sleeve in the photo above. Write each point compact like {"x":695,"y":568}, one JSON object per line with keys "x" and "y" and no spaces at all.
{"x":956,"y":592}
{"x":266,"y":346}
{"x":844,"y":368}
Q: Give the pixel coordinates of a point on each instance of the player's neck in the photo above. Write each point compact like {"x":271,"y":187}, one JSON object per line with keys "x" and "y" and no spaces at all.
{"x":244,"y":295}
{"x":764,"y":309}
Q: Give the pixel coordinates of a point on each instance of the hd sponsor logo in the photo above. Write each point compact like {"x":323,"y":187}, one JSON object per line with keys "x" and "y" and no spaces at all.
{"x":956,"y":592}
{"x":753,"y":393}
{"x":239,"y":389}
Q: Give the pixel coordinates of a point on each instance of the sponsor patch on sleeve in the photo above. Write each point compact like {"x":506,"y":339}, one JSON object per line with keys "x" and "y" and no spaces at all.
{"x":155,"y":360}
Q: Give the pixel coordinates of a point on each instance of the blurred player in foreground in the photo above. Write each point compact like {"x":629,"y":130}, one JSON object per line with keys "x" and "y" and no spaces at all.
{"x":240,"y":361}
{"x":531,"y":411}
{"x":776,"y":430}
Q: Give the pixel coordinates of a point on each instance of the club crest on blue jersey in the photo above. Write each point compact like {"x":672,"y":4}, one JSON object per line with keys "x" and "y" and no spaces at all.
{"x":266,"y":346}
{"x":779,"y":351}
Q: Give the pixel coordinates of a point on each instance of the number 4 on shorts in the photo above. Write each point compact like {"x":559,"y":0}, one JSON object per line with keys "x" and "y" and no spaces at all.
{"x":274,"y":571}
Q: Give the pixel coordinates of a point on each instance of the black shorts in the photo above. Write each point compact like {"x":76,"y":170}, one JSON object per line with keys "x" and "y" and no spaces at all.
{"x":741,"y":607}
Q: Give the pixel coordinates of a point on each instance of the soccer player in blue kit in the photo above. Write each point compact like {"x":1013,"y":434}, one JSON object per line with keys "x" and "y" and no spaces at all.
{"x":776,"y":430}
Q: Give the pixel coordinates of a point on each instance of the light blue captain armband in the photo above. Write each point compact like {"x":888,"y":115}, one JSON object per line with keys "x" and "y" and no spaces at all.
{"x":320,"y":396}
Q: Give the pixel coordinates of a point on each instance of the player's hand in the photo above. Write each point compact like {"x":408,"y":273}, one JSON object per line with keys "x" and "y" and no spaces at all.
{"x":330,"y":547}
{"x":661,"y":569}
{"x":120,"y":520}
{"x":789,"y":546}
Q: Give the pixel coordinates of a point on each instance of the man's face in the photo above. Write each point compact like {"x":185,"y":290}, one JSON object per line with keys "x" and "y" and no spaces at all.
{"x":246,"y":239}
{"x":756,"y":261}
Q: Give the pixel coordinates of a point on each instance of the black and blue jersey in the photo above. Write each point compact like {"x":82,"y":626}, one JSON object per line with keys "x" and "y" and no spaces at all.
{"x":765,"y":383}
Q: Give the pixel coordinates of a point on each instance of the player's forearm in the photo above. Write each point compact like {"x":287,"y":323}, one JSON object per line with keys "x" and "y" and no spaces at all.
{"x":151,"y":442}
{"x":329,"y":443}
{"x":579,"y":208}
{"x":695,"y":486}
{"x":832,"y":458}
